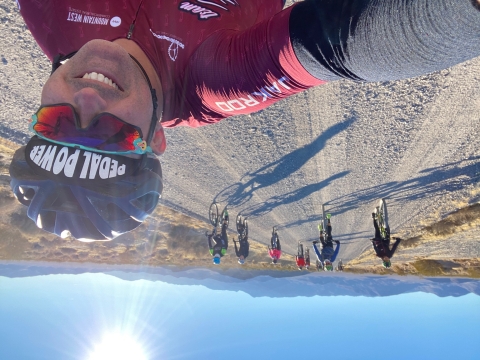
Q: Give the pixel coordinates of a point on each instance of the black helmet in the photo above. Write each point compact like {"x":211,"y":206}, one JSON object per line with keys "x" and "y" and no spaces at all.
{"x":88,"y":195}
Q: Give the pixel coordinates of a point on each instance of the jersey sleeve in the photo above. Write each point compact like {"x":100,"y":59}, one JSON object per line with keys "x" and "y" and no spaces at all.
{"x":240,"y":72}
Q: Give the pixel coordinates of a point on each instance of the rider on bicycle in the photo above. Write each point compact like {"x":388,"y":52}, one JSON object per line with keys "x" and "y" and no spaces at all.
{"x":300,"y":258}
{"x":242,"y":251}
{"x":381,"y":245}
{"x":326,"y":256}
{"x":275,"y":251}
{"x":218,"y":244}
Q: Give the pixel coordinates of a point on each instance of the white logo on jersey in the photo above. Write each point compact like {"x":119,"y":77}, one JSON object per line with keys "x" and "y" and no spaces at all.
{"x":174,"y":45}
{"x":115,"y":21}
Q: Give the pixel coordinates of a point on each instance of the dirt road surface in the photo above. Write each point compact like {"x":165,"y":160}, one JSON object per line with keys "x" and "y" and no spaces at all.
{"x":415,"y":142}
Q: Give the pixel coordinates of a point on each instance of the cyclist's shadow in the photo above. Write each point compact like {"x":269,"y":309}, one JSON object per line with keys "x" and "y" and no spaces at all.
{"x":239,"y":193}
{"x":291,"y":197}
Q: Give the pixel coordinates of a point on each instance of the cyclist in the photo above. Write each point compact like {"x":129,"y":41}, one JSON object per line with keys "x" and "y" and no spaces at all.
{"x":326,"y":256}
{"x":381,"y":245}
{"x":275,"y":251}
{"x":242,"y":251}
{"x":137,"y":65}
{"x":300,"y":258}
{"x":218,"y":243}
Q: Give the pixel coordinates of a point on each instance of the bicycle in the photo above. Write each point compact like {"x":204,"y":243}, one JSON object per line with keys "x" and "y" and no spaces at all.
{"x":216,"y":218}
{"x":242,"y":228}
{"x":382,"y":219}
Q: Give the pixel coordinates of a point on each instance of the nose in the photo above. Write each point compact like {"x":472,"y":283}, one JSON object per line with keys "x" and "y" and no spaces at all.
{"x":88,"y":104}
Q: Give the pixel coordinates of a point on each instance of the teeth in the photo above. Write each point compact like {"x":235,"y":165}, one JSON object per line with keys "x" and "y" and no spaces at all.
{"x":100,"y":77}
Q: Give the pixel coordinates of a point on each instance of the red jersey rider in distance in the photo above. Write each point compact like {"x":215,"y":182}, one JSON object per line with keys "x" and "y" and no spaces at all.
{"x":300,"y":257}
{"x":275,"y":251}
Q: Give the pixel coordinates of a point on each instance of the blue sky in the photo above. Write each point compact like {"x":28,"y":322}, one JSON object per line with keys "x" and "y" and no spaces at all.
{"x":65,"y":316}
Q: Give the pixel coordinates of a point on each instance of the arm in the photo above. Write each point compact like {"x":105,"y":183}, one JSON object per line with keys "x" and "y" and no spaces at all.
{"x":317,"y":252}
{"x":210,"y":246}
{"x":240,"y":72}
{"x":337,"y":250}
{"x":383,"y":40}
{"x":247,"y":248}
{"x":394,"y":247}
{"x":236,"y":249}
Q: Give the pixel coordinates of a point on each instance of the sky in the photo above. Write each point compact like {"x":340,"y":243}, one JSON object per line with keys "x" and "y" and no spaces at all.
{"x":73,"y":316}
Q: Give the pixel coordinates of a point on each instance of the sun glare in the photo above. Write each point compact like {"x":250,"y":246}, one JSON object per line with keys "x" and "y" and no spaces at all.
{"x":118,"y":347}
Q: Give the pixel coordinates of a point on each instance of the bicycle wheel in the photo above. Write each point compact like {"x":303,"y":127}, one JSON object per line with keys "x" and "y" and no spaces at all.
{"x":240,"y":226}
{"x":245,"y":228}
{"x":238,"y":222}
{"x":382,"y":218}
{"x":224,"y":211}
{"x":383,"y":209}
{"x":213,"y":214}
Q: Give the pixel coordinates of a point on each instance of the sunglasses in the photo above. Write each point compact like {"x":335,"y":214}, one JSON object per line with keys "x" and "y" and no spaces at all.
{"x":106,"y":133}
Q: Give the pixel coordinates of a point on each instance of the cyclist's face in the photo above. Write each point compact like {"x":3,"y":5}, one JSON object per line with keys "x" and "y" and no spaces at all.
{"x":385,"y":258}
{"x":131,"y":102}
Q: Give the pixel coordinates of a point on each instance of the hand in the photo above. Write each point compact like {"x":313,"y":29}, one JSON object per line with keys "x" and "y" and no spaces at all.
{"x":337,"y":242}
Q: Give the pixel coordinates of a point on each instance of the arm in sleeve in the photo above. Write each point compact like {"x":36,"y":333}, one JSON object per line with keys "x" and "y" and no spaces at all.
{"x":317,"y":252}
{"x":240,"y":72}
{"x":337,"y":250}
{"x":236,"y":249}
{"x":394,"y":247}
{"x":379,"y":40}
{"x":210,"y":246}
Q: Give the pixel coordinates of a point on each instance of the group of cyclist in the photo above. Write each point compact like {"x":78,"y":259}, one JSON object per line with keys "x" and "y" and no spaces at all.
{"x":324,"y":248}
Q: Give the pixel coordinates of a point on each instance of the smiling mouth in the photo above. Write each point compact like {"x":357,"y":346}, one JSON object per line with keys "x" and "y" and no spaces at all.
{"x":101,"y":78}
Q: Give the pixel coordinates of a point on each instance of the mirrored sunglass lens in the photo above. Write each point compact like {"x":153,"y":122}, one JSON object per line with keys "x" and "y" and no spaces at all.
{"x":106,"y":133}
{"x":53,"y":122}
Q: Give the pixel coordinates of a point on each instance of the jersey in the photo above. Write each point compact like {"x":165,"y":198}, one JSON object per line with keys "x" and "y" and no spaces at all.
{"x":214,"y":58}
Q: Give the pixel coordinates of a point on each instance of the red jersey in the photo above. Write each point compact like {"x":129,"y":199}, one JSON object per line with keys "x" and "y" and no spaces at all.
{"x":300,"y":261}
{"x":214,"y":58}
{"x":275,"y":253}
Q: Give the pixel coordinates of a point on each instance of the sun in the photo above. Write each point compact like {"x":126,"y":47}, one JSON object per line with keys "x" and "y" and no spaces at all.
{"x":118,"y":347}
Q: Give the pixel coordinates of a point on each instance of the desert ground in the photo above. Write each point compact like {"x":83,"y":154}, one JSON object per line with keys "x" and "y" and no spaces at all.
{"x":415,"y":142}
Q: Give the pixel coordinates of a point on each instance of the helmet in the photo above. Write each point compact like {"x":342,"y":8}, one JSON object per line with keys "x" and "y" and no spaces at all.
{"x":90,"y":196}
{"x":387,"y":264}
{"x":274,"y":260}
{"x":328,"y":266}
{"x":241,"y":261}
{"x":216,"y":259}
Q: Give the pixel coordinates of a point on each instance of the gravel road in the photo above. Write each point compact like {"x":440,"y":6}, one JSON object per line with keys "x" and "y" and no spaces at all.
{"x":415,"y":142}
